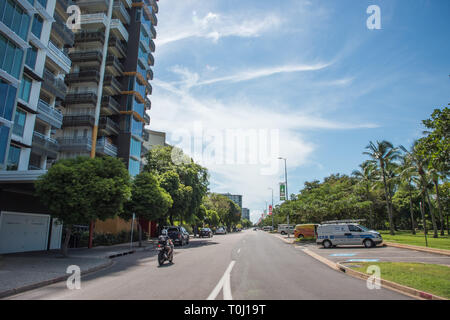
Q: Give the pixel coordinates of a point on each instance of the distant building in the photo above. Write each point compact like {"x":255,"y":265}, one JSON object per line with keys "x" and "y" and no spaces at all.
{"x":236,"y":198}
{"x":245,"y":213}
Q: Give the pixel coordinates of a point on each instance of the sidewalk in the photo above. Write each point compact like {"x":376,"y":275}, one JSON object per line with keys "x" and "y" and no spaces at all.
{"x":29,"y":270}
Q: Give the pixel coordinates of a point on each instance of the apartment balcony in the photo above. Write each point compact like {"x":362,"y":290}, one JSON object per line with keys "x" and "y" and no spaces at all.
{"x":59,"y":57}
{"x":148,"y":104}
{"x":64,"y":4}
{"x":151,"y":59}
{"x":152,"y":45}
{"x":116,"y":47}
{"x":86,"y":99}
{"x":149,"y":28}
{"x":42,"y":144}
{"x":109,"y":106}
{"x":89,"y":76}
{"x":111,"y":85}
{"x":145,"y":135}
{"x":104,"y":147}
{"x":92,"y":5}
{"x":114,"y":66}
{"x":60,"y":28}
{"x":54,"y":85}
{"x":93,"y":20}
{"x":87,"y":120}
{"x":90,"y":37}
{"x":119,"y":30}
{"x":78,"y":144}
{"x":146,"y":118}
{"x":153,"y":4}
{"x":127,"y":3}
{"x":149,"y":74}
{"x":120,"y":12}
{"x":107,"y":127}
{"x":49,"y":115}
{"x":86,"y":58}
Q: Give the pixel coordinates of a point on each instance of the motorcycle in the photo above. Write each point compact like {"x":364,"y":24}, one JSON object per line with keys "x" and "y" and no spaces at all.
{"x":165,"y":247}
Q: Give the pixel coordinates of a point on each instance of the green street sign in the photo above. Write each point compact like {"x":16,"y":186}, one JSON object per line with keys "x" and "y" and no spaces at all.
{"x":282,"y":191}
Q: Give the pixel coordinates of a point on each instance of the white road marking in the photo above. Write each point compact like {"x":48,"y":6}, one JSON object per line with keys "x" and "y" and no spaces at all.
{"x":224,"y":283}
{"x":239,"y":250}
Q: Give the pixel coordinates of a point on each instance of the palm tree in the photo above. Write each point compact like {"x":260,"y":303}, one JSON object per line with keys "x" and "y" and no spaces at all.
{"x":407,"y":172}
{"x":383,"y":153}
{"x":366,"y":176}
{"x":420,"y":165}
{"x":435,"y":175}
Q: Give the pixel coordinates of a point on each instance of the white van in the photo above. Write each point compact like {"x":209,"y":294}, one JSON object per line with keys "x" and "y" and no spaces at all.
{"x":285,"y":228}
{"x":335,"y":234}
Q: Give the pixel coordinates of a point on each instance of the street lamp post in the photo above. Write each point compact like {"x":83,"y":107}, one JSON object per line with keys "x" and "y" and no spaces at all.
{"x":287,"y":193}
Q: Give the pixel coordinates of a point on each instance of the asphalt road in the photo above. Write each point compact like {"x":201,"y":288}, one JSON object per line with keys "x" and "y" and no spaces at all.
{"x":245,"y":265}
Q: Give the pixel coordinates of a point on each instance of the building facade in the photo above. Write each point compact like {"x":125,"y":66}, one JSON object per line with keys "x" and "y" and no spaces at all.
{"x":236,"y":198}
{"x":51,"y":80}
{"x":245,"y":213}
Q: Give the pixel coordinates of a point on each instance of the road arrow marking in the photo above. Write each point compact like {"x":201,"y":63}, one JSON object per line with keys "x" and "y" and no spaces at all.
{"x":224,"y":283}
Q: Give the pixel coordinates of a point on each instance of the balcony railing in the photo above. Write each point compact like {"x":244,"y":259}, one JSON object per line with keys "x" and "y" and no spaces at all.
{"x":83,"y":76}
{"x":78,"y":120}
{"x":46,"y":143}
{"x":89,"y":36}
{"x":77,"y":144}
{"x":108,"y":125}
{"x":112,"y":61}
{"x":86,"y":56}
{"x":59,"y":57}
{"x":111,"y":81}
{"x":105,"y":147}
{"x":89,"y":98}
{"x":48,"y":114}
{"x":119,"y":30}
{"x":119,"y":8}
{"x":117,"y":47}
{"x":110,"y":105}
{"x":54,"y":85}
{"x":152,"y":45}
{"x":94,"y":19}
{"x":65,"y":33}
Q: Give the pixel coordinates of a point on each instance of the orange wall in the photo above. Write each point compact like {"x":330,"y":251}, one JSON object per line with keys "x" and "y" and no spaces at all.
{"x":114,"y":225}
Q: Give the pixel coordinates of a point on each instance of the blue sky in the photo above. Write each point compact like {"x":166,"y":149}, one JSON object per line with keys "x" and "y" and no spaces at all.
{"x":308,"y":73}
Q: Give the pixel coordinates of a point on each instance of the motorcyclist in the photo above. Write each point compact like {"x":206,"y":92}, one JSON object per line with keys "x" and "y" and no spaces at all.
{"x":164,"y":238}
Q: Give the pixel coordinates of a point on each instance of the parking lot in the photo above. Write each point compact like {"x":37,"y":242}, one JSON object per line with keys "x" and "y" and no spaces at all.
{"x":376,"y":254}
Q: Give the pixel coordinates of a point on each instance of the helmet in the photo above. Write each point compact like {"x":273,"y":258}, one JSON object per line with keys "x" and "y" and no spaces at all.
{"x":164,"y":232}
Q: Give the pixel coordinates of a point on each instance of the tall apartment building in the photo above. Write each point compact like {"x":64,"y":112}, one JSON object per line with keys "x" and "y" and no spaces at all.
{"x":246,"y":213}
{"x":49,"y":86}
{"x":236,"y":198}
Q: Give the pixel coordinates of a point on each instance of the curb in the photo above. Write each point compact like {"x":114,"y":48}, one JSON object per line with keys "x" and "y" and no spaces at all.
{"x":418,"y":248}
{"x":410,"y":292}
{"x":391,"y":285}
{"x":52,"y":281}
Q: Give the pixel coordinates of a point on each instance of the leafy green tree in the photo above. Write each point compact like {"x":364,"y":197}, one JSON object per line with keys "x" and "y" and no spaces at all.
{"x":148,"y":200}
{"x":383,"y":153}
{"x":79,"y":190}
{"x":406,"y":174}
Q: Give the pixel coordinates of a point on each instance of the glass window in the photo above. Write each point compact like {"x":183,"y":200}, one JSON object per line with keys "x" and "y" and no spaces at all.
{"x":4,"y":134}
{"x":3,"y":43}
{"x":7,"y":97}
{"x":17,"y":19}
{"x":19,"y":122}
{"x":9,"y":13}
{"x":17,"y":66}
{"x":13,"y":158}
{"x":133,"y":167}
{"x":25,"y":88}
{"x":9,"y":59}
{"x":2,"y":7}
{"x":24,"y":26}
{"x":354,"y":228}
{"x":136,"y":127}
{"x":31,"y":57}
{"x":36,"y":28}
{"x":135,"y":148}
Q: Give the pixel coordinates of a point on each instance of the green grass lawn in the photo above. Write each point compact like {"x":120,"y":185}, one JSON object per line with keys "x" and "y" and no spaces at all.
{"x":430,"y":278}
{"x":405,"y":237}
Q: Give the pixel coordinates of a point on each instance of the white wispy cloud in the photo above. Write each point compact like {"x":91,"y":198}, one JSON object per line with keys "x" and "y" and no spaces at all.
{"x":214,"y":26}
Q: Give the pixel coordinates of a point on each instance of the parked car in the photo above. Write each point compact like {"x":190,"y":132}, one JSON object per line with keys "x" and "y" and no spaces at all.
{"x":285,"y":229}
{"x":334,"y":234}
{"x":307,"y":231}
{"x":205,"y":232}
{"x":178,"y":234}
{"x":221,"y":230}
{"x":268,"y":228}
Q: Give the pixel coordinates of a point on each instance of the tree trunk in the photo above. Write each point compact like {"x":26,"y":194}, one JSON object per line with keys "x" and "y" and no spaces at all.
{"x":433,"y":220}
{"x":391,"y":222}
{"x":413,"y":230}
{"x":441,"y":217}
{"x":140,"y":233}
{"x":65,"y":246}
{"x":424,"y":221}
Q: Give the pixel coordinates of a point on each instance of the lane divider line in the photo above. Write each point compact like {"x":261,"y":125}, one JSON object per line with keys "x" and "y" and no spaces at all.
{"x":224,"y":283}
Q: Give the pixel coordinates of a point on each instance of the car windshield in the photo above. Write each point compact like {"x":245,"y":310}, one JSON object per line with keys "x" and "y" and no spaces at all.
{"x":363,"y":228}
